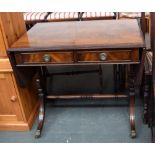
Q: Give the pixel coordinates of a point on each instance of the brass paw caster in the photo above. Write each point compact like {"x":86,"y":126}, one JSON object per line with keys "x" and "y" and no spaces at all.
{"x":133,"y":134}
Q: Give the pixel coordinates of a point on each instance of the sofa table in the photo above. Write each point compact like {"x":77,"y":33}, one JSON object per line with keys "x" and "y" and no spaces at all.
{"x":77,"y":43}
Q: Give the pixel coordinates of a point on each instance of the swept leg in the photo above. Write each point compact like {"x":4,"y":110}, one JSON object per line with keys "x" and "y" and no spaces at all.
{"x":132,"y":102}
{"x":41,"y":108}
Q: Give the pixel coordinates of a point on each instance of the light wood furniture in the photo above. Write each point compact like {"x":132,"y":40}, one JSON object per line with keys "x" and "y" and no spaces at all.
{"x":78,"y":43}
{"x":18,"y":106}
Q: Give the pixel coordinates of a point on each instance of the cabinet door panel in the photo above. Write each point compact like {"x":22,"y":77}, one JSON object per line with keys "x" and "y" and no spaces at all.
{"x":9,"y":103}
{"x":2,"y":45}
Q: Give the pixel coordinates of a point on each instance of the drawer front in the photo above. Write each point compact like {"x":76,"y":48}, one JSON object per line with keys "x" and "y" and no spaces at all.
{"x":37,"y":58}
{"x":109,"y":56}
{"x":77,"y":57}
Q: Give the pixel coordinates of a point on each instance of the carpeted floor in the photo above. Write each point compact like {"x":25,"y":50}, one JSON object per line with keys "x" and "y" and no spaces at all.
{"x":84,"y":121}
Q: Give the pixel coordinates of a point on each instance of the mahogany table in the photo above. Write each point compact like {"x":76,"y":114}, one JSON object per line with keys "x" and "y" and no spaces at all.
{"x":77,"y":43}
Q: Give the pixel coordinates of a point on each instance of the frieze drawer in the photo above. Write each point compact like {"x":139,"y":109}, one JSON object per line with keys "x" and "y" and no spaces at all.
{"x":109,"y":56}
{"x":44,"y":58}
{"x":77,"y":57}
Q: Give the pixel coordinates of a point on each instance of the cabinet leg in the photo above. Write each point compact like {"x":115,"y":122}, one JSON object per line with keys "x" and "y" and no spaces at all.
{"x":132,"y":103}
{"x":41,"y":109}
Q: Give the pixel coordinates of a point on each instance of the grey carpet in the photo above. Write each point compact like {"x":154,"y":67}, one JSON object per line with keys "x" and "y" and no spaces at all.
{"x":84,"y":121}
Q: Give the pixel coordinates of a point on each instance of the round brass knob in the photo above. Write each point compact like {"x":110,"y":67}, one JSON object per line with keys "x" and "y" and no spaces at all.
{"x":13,"y":98}
{"x":47,"y":58}
{"x":103,"y":56}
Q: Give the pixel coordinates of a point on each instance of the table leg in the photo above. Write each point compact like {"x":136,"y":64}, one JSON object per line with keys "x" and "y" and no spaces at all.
{"x":146,"y":99}
{"x":41,"y":106}
{"x":132,"y":101}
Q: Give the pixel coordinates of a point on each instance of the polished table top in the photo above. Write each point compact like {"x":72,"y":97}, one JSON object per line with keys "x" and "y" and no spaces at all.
{"x":81,"y":35}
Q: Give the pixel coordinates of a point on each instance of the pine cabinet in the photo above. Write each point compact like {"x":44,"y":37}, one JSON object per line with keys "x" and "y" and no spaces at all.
{"x":18,"y":106}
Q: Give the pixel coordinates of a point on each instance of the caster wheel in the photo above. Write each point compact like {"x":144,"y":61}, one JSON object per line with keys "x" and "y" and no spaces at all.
{"x":38,"y":134}
{"x":133,"y":134}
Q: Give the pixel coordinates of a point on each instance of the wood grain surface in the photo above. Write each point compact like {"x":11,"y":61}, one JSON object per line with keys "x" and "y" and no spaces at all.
{"x":80,"y":56}
{"x":18,"y":106}
{"x":81,"y":35}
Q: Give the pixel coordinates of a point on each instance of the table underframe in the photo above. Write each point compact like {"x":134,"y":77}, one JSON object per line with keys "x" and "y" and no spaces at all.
{"x":43,"y":96}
